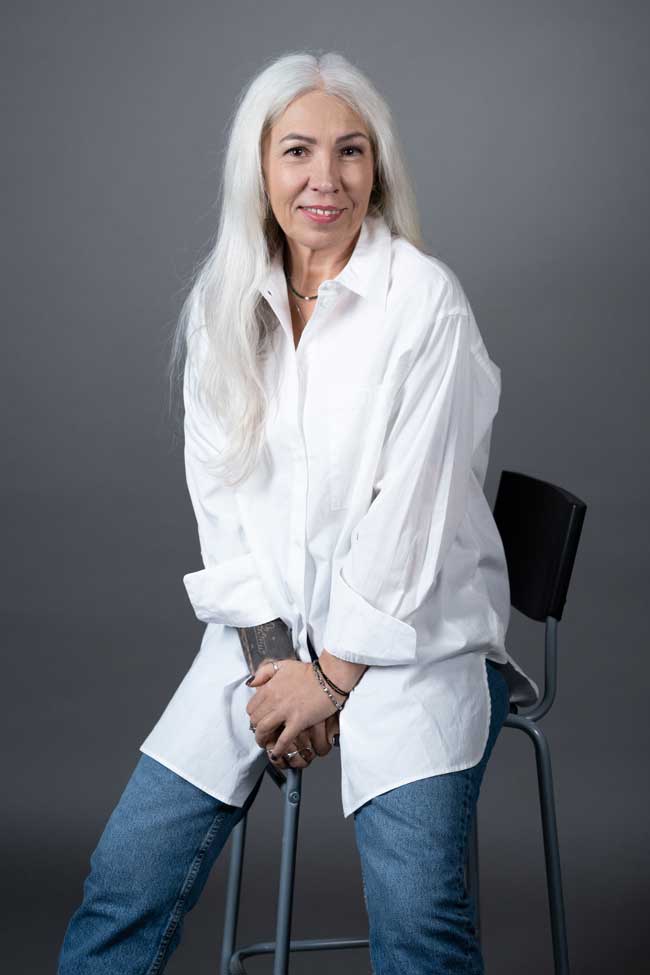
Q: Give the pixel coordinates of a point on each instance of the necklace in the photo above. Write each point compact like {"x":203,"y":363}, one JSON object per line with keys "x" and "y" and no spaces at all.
{"x":304,"y":298}
{"x":297,"y":293}
{"x":304,"y":323}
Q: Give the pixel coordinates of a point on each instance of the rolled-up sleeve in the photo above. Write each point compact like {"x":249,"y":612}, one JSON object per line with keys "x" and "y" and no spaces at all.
{"x":229,"y":588}
{"x":419,"y":500}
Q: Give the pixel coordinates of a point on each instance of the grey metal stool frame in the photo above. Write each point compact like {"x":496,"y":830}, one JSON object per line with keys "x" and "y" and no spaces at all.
{"x":540,"y":526}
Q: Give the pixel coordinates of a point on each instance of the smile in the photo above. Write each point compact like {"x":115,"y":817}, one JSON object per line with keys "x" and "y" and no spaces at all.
{"x":321,"y":216}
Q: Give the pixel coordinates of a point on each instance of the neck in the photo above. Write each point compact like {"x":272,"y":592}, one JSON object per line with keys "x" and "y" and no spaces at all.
{"x":308,"y":268}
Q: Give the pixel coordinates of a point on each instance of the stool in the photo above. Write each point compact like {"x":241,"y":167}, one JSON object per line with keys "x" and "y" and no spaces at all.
{"x":540,"y":526}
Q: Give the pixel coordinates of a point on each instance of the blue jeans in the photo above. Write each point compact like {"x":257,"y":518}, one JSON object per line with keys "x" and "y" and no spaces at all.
{"x":412,"y":843}
{"x":164,"y":835}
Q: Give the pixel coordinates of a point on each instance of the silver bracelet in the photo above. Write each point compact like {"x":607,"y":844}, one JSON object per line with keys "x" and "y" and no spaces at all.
{"x":339,"y":707}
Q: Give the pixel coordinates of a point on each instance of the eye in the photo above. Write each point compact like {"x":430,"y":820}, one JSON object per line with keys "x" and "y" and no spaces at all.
{"x":301,"y":148}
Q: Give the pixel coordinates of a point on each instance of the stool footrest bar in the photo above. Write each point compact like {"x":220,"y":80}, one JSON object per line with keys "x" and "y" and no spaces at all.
{"x":309,"y":944}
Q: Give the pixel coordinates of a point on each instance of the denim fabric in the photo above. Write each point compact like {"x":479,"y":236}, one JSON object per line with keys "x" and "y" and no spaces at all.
{"x":412,"y":843}
{"x":147,"y":871}
{"x":165,"y":834}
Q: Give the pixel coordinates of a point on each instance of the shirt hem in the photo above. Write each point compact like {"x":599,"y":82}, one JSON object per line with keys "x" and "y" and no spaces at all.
{"x":190,"y":778}
{"x":417,"y":776}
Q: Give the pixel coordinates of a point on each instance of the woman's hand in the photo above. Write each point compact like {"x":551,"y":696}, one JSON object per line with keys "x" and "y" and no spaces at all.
{"x":291,"y":696}
{"x":320,"y":738}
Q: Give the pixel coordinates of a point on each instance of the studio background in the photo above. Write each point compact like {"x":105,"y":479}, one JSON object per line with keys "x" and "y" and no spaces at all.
{"x":525,"y":128}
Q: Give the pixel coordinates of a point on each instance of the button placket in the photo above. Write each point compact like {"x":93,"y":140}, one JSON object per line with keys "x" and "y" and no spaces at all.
{"x":298,"y":503}
{"x":297,"y":370}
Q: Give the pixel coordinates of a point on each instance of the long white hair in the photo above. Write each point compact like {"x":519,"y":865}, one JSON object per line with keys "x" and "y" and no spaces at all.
{"x":224,"y":296}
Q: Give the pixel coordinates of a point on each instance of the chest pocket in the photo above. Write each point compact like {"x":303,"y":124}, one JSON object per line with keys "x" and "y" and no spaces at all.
{"x":352,"y":413}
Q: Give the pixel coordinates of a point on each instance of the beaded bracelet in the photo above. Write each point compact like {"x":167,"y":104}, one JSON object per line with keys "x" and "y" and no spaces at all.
{"x":318,"y":672}
{"x":331,"y":682}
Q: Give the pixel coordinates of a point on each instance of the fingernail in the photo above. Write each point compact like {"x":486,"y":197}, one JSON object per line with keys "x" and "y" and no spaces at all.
{"x":251,"y":679}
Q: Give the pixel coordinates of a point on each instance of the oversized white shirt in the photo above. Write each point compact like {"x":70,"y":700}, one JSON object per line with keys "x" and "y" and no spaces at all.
{"x":363,"y":524}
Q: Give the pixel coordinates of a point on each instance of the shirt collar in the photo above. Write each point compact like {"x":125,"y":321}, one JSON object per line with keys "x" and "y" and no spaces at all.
{"x":366,"y":272}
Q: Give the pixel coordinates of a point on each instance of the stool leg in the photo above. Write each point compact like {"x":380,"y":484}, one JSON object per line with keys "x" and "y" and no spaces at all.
{"x":551,"y":844}
{"x":233,"y":892}
{"x":292,"y":792}
{"x":472,"y":874}
{"x":552,"y":853}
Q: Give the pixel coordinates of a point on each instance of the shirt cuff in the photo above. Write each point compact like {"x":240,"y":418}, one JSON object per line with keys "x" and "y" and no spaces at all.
{"x":360,"y":633}
{"x":231,"y":593}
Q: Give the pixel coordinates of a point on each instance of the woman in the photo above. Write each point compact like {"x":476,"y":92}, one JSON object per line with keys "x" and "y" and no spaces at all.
{"x":339,"y":403}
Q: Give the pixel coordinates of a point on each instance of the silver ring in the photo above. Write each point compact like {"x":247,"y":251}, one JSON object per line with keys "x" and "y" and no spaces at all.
{"x":307,"y":748}
{"x":276,"y":666}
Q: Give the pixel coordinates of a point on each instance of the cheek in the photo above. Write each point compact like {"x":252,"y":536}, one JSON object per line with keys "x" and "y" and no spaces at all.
{"x":361,"y":177}
{"x":287,"y":196}
{"x":281,"y":182}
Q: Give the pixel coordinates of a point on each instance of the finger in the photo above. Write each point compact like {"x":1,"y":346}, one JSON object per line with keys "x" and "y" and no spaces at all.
{"x":306,"y":746}
{"x":262,"y":675}
{"x":282,"y":745}
{"x":271,"y":742}
{"x":296,"y":761}
{"x":259,"y":704}
{"x":332,"y":727}
{"x":278,"y":762}
{"x":268,"y":727}
{"x":320,"y":742}
{"x":301,"y":744}
{"x":270,"y":746}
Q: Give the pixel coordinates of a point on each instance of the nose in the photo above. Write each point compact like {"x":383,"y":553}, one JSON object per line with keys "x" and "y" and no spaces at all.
{"x":324,"y":174}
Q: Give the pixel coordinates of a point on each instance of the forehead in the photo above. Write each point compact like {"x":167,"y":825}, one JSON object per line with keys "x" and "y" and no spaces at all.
{"x":315,"y":110}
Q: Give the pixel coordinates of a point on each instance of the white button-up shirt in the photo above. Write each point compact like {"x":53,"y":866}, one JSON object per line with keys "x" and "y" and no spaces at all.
{"x":364,"y":525}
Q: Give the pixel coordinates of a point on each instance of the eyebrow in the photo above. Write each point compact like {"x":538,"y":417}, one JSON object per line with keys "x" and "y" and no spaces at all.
{"x":308,"y":138}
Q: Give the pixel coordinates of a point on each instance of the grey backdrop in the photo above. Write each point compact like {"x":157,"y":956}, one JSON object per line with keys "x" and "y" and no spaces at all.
{"x":525,"y":127}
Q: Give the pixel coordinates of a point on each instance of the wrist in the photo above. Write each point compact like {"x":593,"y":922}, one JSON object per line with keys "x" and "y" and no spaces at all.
{"x":344,"y":673}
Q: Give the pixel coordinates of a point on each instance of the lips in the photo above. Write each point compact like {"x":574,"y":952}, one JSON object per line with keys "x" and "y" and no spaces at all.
{"x":327,"y":216}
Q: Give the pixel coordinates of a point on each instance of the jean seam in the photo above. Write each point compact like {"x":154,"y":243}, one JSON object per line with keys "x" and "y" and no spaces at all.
{"x":473,"y":935}
{"x":186,"y":887}
{"x":470,"y":787}
{"x":463,"y":840}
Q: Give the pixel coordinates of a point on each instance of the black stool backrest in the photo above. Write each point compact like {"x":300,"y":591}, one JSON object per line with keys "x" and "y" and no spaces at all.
{"x":540,"y":526}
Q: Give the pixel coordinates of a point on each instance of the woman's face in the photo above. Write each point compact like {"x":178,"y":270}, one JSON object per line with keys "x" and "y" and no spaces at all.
{"x":318,"y":153}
